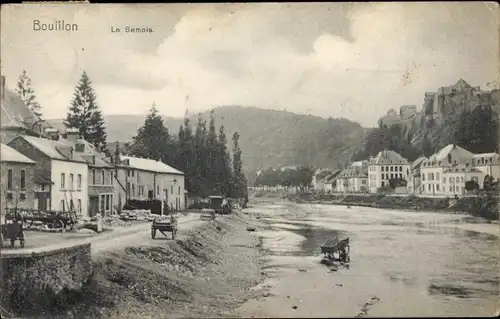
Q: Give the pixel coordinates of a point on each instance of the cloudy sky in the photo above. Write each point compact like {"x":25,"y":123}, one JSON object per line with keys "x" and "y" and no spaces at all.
{"x":340,"y":60}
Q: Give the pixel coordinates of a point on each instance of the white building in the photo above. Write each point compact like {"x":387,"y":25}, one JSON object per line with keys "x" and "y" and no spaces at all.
{"x":414,"y":181}
{"x":64,"y":170}
{"x":385,"y":166}
{"x":488,"y":163}
{"x":143,"y":179}
{"x":353,"y":179}
{"x":433,"y":169}
{"x":446,"y":172}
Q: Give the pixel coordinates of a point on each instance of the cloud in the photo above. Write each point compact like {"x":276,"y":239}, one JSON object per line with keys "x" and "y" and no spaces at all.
{"x":352,"y":60}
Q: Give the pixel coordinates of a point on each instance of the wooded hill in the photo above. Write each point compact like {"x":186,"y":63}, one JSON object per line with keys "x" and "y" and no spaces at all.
{"x":268,"y":138}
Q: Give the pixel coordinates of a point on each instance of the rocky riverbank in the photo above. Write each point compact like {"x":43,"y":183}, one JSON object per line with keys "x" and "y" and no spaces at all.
{"x":203,"y":274}
{"x":483,"y":206}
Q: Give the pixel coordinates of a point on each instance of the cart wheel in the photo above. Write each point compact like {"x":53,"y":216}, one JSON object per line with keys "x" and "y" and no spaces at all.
{"x":153,"y":233}
{"x":58,"y":224}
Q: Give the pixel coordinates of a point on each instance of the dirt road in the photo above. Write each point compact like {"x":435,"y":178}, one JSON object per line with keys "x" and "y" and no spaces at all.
{"x":119,"y":237}
{"x":141,"y":235}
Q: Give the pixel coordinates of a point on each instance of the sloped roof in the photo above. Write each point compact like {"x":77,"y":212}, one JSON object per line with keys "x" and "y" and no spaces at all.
{"x":8,"y":154}
{"x":416,"y":163}
{"x":323,"y":174}
{"x":389,"y":157}
{"x":442,"y":154}
{"x":334,"y":175}
{"x":52,"y":148}
{"x":356,"y":171}
{"x":150,"y":165}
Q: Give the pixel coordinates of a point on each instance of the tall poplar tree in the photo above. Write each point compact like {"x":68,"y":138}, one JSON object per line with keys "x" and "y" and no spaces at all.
{"x":27,"y":93}
{"x":85,"y":115}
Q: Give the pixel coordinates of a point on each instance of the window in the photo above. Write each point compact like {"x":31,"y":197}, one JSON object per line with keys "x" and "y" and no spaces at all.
{"x":437,"y":187}
{"x":133,"y":189}
{"x":400,"y":168}
{"x":22,"y":197}
{"x":400,"y":175}
{"x":71,"y":206}
{"x":392,"y":168}
{"x":63,"y":181}
{"x":9,"y":179}
{"x":93,"y":176}
{"x":157,"y":190}
{"x":462,"y":179}
{"x":382,"y":168}
{"x":110,"y":177}
{"x":451,"y":189}
{"x":437,"y":176}
{"x":63,"y":207}
{"x":23,"y":179}
{"x":452,"y":180}
{"x":71,"y":181}
{"x":79,"y":181}
{"x":9,"y":196}
{"x":128,"y":187}
{"x":103,"y":180}
{"x":79,"y":205}
{"x":171,"y":189}
{"x":429,"y":187}
{"x":133,"y":173}
{"x":423,"y":176}
{"x":429,"y":176}
{"x":137,"y":177}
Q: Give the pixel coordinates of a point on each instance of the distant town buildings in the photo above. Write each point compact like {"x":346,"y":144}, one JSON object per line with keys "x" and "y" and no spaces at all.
{"x":384,"y":167}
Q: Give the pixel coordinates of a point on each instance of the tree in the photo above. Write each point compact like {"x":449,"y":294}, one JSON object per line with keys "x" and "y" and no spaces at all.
{"x":152,"y":139}
{"x":471,"y":185}
{"x":84,"y":114}
{"x":239,"y":180}
{"x":200,"y":158}
{"x":224,"y":162}
{"x":27,"y":93}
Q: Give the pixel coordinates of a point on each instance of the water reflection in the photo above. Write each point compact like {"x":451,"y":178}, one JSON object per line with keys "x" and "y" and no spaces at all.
{"x":417,"y":250}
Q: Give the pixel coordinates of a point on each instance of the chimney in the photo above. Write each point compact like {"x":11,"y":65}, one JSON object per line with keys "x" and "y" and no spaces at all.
{"x":52,"y":134}
{"x":72,"y":134}
{"x":2,"y":87}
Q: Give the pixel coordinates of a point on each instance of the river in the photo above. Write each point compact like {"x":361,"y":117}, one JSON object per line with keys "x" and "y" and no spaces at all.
{"x":401,"y":263}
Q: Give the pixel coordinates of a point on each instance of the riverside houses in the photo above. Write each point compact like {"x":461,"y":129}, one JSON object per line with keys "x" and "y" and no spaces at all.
{"x":143,"y":179}
{"x":385,"y":166}
{"x":100,"y":174}
{"x":60,"y":172}
{"x":17,"y":180}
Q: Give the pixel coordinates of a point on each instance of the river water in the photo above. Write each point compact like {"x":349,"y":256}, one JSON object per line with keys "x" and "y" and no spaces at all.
{"x":401,"y":263}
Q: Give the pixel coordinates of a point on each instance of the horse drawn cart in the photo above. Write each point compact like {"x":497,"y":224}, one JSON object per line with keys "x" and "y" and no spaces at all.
{"x":163,"y":225}
{"x":336,"y":246}
{"x":54,"y":220}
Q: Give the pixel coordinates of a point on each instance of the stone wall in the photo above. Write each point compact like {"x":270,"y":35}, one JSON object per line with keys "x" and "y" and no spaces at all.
{"x":41,"y":282}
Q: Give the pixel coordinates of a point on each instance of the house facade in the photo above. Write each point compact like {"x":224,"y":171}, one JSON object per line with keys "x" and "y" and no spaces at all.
{"x":60,"y":173}
{"x":432,"y":170}
{"x":414,"y":181}
{"x":353,"y":179}
{"x":385,"y":166}
{"x":488,"y":163}
{"x":100,"y":174}
{"x":143,"y":179}
{"x":17,"y":180}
